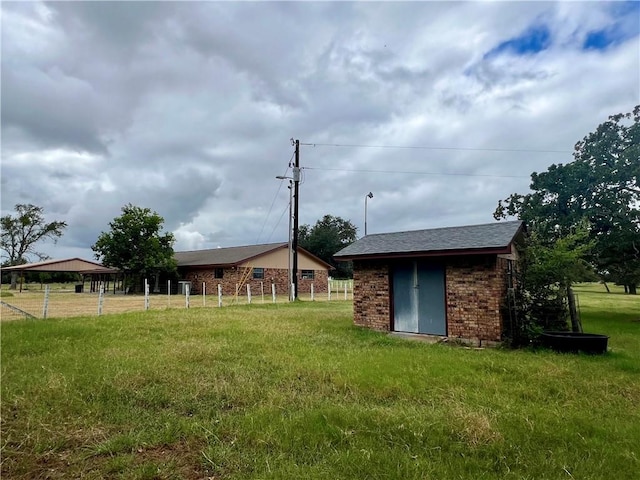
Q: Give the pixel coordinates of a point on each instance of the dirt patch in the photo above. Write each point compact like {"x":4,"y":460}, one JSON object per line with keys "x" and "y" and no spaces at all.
{"x":181,"y":460}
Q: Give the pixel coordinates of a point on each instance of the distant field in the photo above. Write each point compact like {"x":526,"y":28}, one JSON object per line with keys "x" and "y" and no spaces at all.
{"x":296,"y":391}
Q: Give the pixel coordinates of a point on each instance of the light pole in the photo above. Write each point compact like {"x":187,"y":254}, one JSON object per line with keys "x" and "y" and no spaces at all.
{"x":366,"y":197}
{"x":289,"y":277}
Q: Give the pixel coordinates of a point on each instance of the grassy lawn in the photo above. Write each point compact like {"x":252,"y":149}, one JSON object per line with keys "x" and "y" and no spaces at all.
{"x":296,"y":391}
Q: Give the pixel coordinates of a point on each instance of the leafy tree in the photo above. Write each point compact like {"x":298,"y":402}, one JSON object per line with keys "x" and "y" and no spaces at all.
{"x":543,"y":295}
{"x":21,"y":232}
{"x":136,"y":245}
{"x":600,"y":187}
{"x":328,"y":236}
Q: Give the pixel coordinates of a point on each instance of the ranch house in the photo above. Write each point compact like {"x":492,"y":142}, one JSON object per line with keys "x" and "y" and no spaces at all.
{"x":448,"y":282}
{"x":256,"y":265}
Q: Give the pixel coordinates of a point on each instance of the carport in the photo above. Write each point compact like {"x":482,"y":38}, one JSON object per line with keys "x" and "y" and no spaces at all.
{"x":92,"y":271}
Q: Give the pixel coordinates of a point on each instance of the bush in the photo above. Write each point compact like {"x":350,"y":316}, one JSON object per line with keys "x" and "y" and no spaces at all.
{"x":534,"y":309}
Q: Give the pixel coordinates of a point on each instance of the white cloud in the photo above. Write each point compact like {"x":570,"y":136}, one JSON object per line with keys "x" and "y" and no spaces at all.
{"x":187,"y":108}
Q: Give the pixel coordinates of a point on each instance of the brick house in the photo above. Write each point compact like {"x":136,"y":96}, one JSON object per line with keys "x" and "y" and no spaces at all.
{"x":254,"y":265}
{"x":451,"y":282}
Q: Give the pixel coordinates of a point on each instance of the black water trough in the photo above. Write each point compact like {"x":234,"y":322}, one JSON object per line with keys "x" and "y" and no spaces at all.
{"x":575,"y":342}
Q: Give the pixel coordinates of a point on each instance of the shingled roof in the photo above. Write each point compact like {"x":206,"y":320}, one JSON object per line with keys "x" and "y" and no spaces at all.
{"x":233,"y":256}
{"x":487,"y":238}
{"x":224,"y":256}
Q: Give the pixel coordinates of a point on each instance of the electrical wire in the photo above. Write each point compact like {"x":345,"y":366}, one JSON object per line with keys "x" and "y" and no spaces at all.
{"x":274,"y":200}
{"x":417,"y":173}
{"x":277,"y":223}
{"x":511,"y":150}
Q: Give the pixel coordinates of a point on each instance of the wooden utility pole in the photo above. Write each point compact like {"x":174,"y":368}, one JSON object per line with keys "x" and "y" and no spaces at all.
{"x":296,"y":182}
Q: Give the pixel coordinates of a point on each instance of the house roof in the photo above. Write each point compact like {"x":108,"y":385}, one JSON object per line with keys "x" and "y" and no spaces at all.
{"x":232,"y":256}
{"x":471,"y":239}
{"x":76,"y":265}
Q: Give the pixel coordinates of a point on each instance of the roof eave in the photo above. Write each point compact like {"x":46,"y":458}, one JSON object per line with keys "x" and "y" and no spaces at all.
{"x":435,"y":253}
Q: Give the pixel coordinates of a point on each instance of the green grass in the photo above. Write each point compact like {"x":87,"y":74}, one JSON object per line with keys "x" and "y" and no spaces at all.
{"x":296,"y":391}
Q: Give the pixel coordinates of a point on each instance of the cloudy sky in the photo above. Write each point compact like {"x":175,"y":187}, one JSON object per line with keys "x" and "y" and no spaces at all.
{"x":438,"y":108}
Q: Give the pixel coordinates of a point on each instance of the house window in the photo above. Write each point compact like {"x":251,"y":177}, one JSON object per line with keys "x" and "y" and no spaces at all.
{"x":308,"y":274}
{"x":218,"y":272}
{"x":258,"y":273}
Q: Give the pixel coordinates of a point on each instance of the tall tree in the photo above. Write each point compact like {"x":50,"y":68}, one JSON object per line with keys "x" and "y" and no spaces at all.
{"x":601,"y":186}
{"x":136,"y":245}
{"x":21,"y":232}
{"x":329,"y":235}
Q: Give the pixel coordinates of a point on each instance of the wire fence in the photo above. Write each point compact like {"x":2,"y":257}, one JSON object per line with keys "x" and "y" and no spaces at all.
{"x":38,"y":302}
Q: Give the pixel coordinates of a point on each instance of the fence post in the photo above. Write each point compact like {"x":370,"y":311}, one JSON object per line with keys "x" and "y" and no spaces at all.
{"x":262,"y":290}
{"x":169,"y":293}
{"x":100,"y":299}
{"x":345,"y":290}
{"x":146,"y":294}
{"x":329,"y":285}
{"x":219,"y":295}
{"x":249,"y":294}
{"x":312,"y":291}
{"x":45,"y":306}
{"x":293,"y":292}
{"x":273,"y":292}
{"x":204,"y":294}
{"x":186,"y":295}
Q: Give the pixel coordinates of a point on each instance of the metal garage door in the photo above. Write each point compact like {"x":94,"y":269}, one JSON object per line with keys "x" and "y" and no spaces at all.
{"x":418,"y":298}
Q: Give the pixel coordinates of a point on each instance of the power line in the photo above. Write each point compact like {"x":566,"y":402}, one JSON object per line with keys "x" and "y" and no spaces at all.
{"x":418,"y":173}
{"x":277,"y":223}
{"x":511,"y":150}
{"x":274,"y":200}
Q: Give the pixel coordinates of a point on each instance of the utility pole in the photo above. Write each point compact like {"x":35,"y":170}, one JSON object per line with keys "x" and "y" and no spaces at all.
{"x":290,"y":249}
{"x":296,"y":182}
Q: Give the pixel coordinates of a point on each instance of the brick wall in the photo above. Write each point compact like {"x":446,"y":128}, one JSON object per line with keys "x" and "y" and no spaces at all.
{"x":475,"y":288}
{"x":320,"y":282}
{"x":371,"y":295}
{"x":232,"y":276}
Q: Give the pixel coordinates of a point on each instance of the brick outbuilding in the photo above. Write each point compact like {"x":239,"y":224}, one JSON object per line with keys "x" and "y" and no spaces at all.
{"x":450,"y":282}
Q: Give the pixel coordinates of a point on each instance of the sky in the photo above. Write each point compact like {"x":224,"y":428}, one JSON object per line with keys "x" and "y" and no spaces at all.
{"x":440,"y":109}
